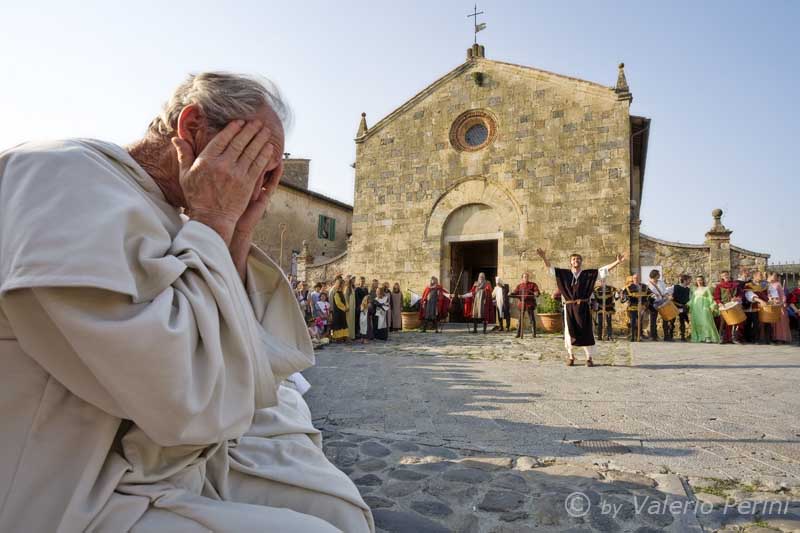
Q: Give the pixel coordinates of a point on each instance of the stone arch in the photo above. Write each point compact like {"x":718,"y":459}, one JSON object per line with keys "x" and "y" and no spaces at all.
{"x":475,"y":191}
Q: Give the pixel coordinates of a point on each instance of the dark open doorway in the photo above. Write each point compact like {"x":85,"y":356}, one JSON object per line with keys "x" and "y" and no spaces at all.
{"x":470,"y":258}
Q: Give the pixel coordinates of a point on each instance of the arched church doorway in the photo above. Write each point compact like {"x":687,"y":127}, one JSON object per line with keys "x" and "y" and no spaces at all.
{"x":472,"y":242}
{"x":470,"y":258}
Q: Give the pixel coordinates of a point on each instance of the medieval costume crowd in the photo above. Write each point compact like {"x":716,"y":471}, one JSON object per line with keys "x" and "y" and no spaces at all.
{"x":755,"y":308}
{"x":350,"y":310}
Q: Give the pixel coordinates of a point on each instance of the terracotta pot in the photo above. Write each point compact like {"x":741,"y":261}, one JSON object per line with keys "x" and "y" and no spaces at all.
{"x":410,"y":319}
{"x":551,"y":322}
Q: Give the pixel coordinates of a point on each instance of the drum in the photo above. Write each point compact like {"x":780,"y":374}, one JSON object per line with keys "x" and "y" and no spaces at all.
{"x":769,"y":314}
{"x":667,"y":310}
{"x":732,"y":313}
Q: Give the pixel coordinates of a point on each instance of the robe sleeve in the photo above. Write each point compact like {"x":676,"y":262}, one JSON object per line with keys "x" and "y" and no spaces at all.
{"x":179,"y":366}
{"x":718,"y":294}
{"x":602,"y":272}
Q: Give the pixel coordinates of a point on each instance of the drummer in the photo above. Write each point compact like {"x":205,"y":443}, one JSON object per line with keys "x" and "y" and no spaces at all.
{"x":755,"y":295}
{"x":727,"y":291}
{"x":681,"y":294}
{"x":661,"y":295}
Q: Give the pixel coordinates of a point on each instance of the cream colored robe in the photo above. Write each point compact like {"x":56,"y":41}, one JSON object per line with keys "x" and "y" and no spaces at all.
{"x":141,"y":384}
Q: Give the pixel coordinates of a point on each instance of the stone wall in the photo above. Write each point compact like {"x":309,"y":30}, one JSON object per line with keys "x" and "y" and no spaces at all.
{"x":697,"y":259}
{"x":323,"y":271}
{"x":557,"y":174}
{"x":299,"y":210}
{"x":741,"y":258}
{"x":674,"y":258}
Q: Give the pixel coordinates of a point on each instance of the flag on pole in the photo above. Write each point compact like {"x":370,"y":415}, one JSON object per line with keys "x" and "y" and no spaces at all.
{"x":479,"y":27}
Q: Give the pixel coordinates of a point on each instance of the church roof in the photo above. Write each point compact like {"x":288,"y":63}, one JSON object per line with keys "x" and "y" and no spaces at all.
{"x":362,"y":136}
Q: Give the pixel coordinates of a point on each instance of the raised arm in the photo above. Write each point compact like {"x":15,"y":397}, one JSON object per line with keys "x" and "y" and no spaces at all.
{"x":541,"y":253}
{"x":611,"y":266}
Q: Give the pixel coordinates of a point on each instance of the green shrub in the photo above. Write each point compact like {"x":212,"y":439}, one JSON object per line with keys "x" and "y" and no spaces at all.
{"x":547,"y":304}
{"x":407,"y":307}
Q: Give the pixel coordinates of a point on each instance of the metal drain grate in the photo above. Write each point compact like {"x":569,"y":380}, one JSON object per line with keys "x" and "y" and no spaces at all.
{"x":603,"y":447}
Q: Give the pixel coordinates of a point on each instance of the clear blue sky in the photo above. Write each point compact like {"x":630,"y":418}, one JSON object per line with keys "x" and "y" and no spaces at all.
{"x":718,"y":78}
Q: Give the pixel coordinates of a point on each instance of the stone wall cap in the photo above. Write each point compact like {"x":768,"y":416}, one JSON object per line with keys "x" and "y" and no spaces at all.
{"x":673,"y":243}
{"x":749,"y":252}
{"x":699,"y":246}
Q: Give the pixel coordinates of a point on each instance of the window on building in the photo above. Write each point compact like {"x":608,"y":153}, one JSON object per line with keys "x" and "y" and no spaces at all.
{"x":326,"y":229}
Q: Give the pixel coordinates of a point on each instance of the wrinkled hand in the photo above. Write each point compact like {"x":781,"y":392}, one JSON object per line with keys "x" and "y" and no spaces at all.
{"x":620,"y":258}
{"x":218,"y":184}
{"x":541,"y":253}
{"x":254,"y":212}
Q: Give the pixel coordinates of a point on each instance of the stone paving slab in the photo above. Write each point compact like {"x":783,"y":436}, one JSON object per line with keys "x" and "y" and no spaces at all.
{"x":417,"y":488}
{"x":683,"y":411}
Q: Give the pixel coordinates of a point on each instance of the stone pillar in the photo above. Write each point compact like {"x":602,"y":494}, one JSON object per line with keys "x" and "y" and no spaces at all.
{"x":718,"y":240}
{"x":304,"y":261}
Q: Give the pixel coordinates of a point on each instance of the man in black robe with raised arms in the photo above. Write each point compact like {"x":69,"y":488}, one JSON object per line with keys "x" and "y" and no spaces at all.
{"x":576,"y":286}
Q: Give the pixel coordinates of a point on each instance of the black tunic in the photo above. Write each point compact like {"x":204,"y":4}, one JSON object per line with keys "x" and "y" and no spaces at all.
{"x":681,"y":296}
{"x":579,"y":316}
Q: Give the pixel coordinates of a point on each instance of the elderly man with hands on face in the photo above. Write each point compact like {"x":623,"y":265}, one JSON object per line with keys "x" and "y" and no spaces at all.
{"x":144,"y":356}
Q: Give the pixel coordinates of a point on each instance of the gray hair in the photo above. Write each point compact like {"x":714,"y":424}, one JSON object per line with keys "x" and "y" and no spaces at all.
{"x":223,"y":97}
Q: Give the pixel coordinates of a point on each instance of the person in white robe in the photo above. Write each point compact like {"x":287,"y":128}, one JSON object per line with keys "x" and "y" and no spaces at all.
{"x":145,"y":357}
{"x":381,"y":304}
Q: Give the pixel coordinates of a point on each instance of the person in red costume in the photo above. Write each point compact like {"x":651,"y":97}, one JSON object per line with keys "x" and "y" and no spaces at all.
{"x":526,"y":292}
{"x":794,"y":309}
{"x":434,"y":305}
{"x":726,"y":291}
{"x":478,"y":305}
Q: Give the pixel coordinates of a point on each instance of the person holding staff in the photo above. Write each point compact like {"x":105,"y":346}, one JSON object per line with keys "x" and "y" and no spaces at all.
{"x":433,"y":305}
{"x":604,"y":296}
{"x":636,"y":296}
{"x":479,"y":300}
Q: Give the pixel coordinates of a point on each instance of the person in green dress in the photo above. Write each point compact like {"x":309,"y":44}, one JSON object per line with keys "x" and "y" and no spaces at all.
{"x":701,"y":309}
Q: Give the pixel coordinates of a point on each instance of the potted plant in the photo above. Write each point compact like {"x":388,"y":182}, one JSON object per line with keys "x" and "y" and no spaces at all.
{"x":410,"y":313}
{"x":550,"y":313}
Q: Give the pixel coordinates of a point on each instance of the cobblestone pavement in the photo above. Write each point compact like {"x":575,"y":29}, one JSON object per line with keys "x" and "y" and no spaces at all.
{"x":473,"y":432}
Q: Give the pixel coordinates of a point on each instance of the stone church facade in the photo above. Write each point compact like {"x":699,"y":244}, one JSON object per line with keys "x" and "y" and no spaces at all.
{"x":490,"y":162}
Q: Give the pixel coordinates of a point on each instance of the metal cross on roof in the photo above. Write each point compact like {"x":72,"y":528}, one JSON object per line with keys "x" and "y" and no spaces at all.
{"x":478,"y":27}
